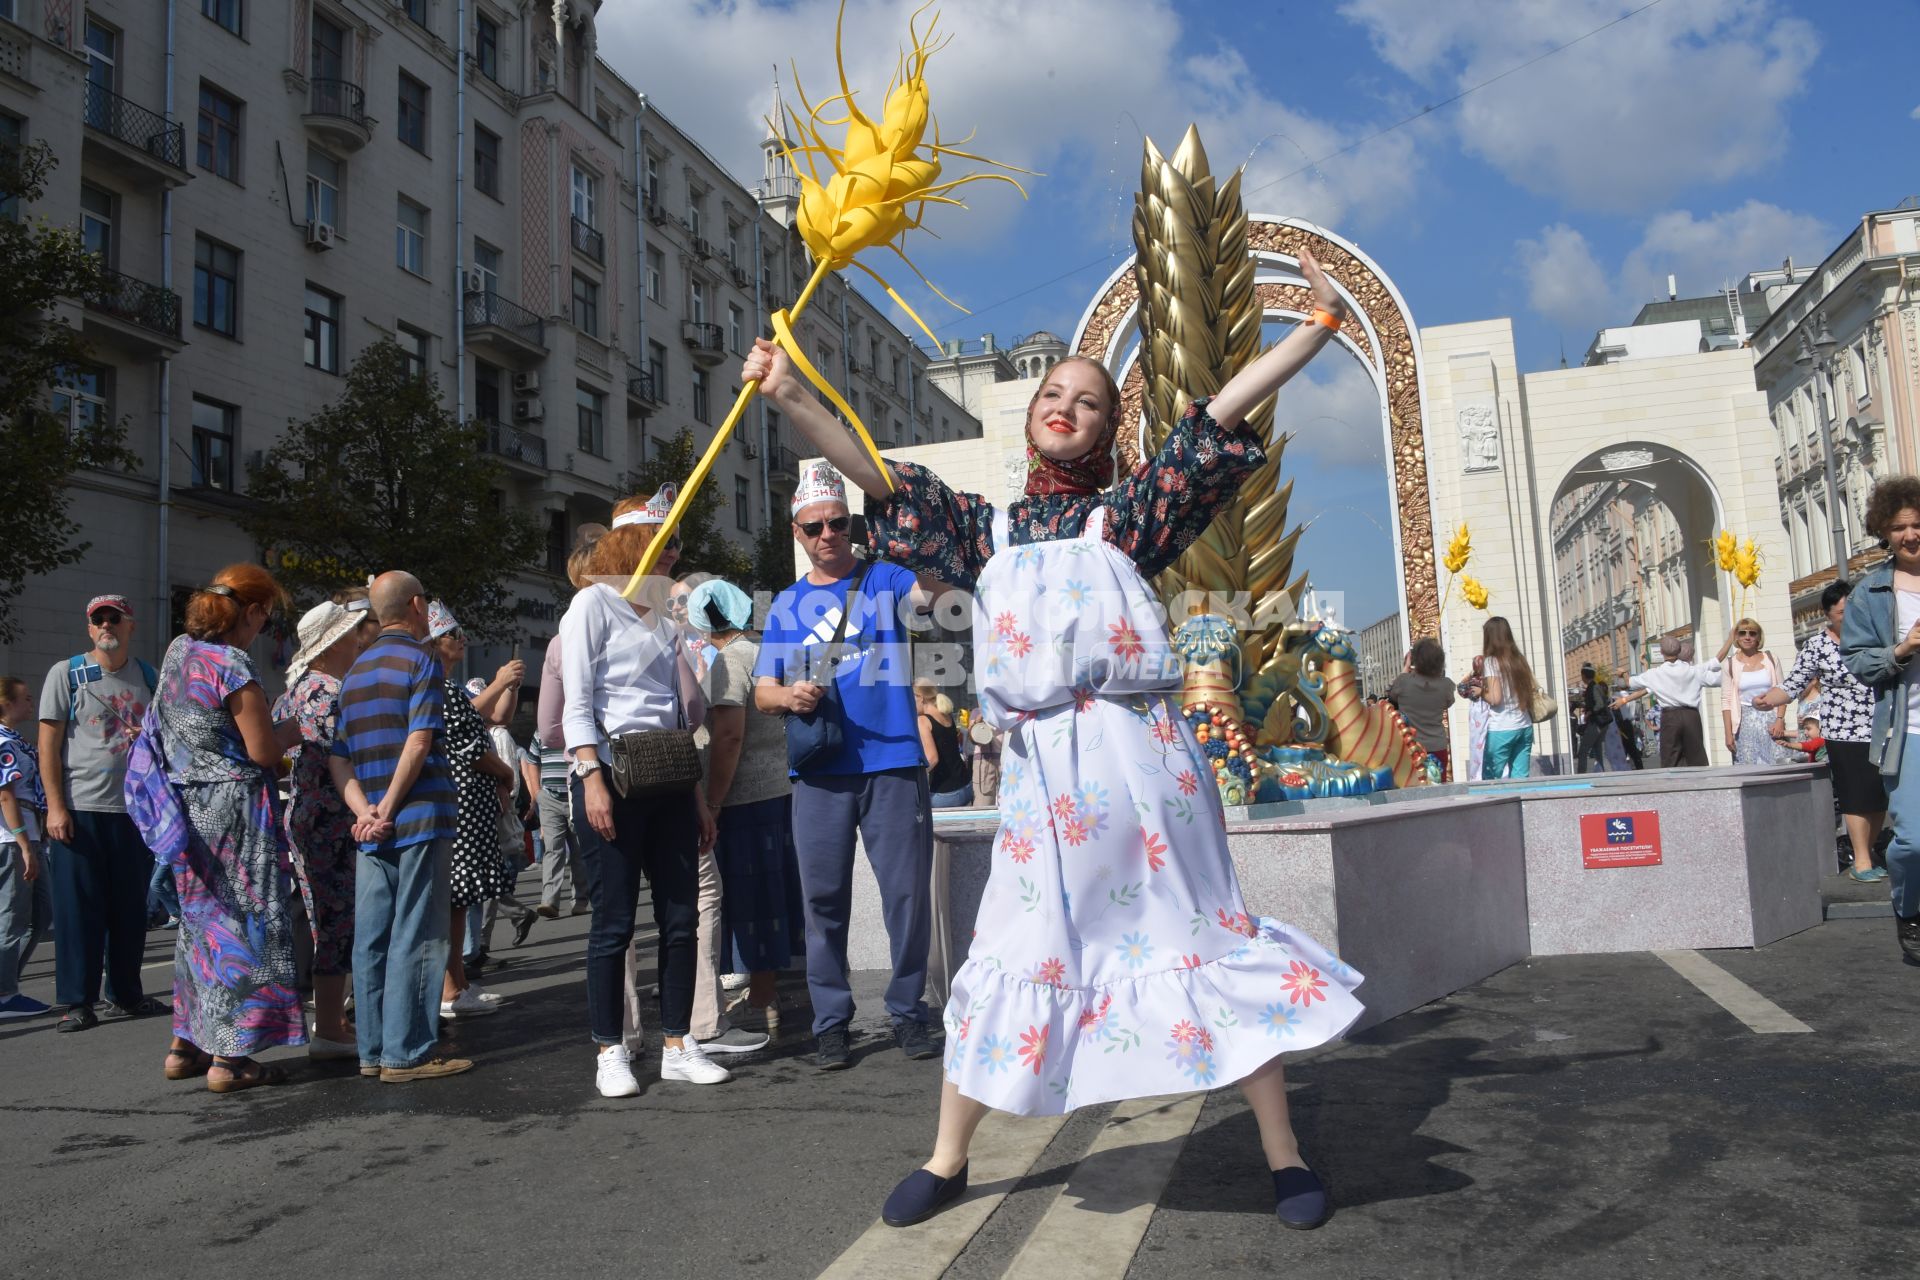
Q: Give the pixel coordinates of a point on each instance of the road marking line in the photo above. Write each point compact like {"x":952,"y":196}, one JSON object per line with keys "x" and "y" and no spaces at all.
{"x":1097,"y":1220}
{"x":1736,"y":997}
{"x":1004,"y":1148}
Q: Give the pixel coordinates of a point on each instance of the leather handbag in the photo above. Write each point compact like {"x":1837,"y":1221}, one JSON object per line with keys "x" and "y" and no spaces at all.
{"x":1544,"y":707}
{"x":655,"y":762}
{"x":816,"y":737}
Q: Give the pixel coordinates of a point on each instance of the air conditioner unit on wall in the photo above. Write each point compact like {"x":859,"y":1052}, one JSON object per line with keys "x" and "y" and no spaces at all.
{"x":750,"y":449}
{"x":320,"y":235}
{"x":526,"y":383}
{"x":529,"y":411}
{"x":475,"y":282}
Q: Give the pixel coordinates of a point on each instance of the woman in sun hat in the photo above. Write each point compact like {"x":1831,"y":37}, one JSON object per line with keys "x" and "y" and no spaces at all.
{"x":319,"y":824}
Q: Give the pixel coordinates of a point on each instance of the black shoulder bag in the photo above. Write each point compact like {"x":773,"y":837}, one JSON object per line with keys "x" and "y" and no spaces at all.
{"x":814,"y":738}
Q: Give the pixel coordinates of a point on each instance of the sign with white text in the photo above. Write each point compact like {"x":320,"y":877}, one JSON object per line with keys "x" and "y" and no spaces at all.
{"x":1620,"y":840}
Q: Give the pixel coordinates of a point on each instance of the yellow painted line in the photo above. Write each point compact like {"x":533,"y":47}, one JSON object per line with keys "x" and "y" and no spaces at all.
{"x":1004,"y":1149}
{"x":1736,"y":997}
{"x":1093,"y":1226}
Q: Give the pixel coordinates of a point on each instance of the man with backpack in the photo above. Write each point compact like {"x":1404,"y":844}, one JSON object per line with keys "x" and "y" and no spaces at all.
{"x":91,"y":707}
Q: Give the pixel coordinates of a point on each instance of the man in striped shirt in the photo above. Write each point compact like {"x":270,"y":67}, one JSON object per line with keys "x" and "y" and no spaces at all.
{"x":389,"y":761}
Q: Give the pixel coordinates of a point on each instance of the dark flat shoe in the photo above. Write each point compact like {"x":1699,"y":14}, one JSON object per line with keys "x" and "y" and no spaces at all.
{"x":525,"y":927}
{"x":1300,"y":1199}
{"x":78,"y":1017}
{"x":921,"y":1195}
{"x":147,"y":1007}
{"x":187,"y":1064}
{"x":247,"y":1074}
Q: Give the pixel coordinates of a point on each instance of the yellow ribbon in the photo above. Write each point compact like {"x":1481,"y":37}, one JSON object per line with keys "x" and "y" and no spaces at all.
{"x":783,"y":335}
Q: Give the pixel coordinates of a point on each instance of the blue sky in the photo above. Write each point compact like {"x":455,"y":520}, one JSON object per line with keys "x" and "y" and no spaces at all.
{"x":1703,"y":138}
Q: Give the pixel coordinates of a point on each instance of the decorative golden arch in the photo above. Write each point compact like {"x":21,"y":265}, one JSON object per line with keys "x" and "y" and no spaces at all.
{"x":1380,"y":334}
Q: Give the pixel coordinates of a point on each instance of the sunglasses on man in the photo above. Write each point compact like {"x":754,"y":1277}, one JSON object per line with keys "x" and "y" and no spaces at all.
{"x":838,"y":524}
{"x":106,"y":617}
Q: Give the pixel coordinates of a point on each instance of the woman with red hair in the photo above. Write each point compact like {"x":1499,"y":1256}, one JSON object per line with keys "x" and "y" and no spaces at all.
{"x":233,"y":969}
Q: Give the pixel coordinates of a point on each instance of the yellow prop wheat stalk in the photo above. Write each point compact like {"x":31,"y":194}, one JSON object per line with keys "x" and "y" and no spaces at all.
{"x":1474,"y":591}
{"x":1725,"y":547}
{"x":1459,"y":551}
{"x":866,"y":194}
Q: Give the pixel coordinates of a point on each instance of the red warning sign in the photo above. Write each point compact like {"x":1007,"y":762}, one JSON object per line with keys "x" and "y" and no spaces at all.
{"x":1620,"y":840}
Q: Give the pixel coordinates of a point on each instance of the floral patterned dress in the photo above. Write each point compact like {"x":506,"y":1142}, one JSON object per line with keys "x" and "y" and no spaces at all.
{"x":479,"y":872}
{"x":1113,"y":956}
{"x":319,"y":824}
{"x":233,"y":970}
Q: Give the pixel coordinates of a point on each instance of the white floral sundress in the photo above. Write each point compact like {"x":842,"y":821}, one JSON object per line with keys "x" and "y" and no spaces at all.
{"x":1112,"y":956}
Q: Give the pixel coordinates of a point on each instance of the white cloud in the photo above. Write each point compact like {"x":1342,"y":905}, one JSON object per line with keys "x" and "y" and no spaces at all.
{"x":1916,"y":114}
{"x":1568,"y":284}
{"x":1679,"y":96}
{"x":1066,"y":87}
{"x":1565,"y":282}
{"x":1333,"y":411}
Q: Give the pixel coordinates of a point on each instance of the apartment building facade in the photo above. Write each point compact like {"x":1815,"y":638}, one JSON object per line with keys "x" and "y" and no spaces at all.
{"x":275,"y":186}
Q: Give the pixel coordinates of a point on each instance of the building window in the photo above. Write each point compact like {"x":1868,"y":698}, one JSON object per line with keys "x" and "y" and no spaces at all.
{"x":410,"y":238}
{"x":9,"y":139}
{"x":733,"y":245}
{"x":80,"y":397}
{"x":224,"y":12}
{"x":487,"y":382}
{"x":590,"y":408}
{"x":696,"y":214}
{"x":698,"y":311}
{"x":323,"y":330}
{"x":656,"y":272}
{"x":96,"y":222}
{"x":736,"y":330}
{"x":657,"y":369}
{"x":486,"y":161}
{"x":742,"y":503}
{"x":586,"y":306}
{"x":651,"y":187}
{"x":213,"y":444}
{"x":415,"y":343}
{"x":216,"y":286}
{"x":412,"y":123}
{"x":701,"y":406}
{"x":486,"y":265}
{"x":323,"y":187}
{"x":219,"y":152}
{"x":416,"y":11}
{"x":329,"y":60}
{"x":486,"y":47}
{"x":586,"y":195}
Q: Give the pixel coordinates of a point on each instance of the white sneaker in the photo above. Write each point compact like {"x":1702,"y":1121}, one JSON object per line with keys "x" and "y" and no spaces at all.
{"x":614,"y":1074}
{"x":732,"y":981}
{"x":691,"y":1065}
{"x":467,"y":1005}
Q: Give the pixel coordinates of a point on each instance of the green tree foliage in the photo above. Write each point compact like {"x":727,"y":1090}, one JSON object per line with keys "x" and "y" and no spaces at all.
{"x":40,"y":265}
{"x":703,"y":549}
{"x":773,"y":560}
{"x":385,"y":478}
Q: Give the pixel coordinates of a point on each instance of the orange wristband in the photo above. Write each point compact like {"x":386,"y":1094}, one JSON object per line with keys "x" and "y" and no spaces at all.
{"x":1326,"y":318}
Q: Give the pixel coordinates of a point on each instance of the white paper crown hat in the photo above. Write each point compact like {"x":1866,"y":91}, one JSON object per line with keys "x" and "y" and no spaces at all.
{"x":821,"y":484}
{"x":655,"y":512}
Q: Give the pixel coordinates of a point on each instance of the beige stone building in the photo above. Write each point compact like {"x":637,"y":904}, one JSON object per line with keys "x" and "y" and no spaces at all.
{"x":278,"y":184}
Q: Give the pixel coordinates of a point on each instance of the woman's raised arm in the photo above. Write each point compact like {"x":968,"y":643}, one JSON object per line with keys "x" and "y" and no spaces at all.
{"x":1271,"y":371}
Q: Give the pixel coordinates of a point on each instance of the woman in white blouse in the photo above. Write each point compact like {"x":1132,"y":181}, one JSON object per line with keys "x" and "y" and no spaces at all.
{"x":624,"y":673}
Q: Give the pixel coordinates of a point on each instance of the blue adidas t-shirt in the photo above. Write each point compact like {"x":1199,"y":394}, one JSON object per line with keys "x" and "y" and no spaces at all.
{"x":876,"y":678}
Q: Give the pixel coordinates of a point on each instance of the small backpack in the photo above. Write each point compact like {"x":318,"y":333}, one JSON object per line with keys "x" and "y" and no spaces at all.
{"x":152,"y":801}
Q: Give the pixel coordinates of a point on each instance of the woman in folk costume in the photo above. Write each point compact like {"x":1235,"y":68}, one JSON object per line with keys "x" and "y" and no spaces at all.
{"x":1113,"y":956}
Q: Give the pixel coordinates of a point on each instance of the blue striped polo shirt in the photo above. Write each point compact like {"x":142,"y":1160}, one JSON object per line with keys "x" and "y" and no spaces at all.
{"x":394,"y":690}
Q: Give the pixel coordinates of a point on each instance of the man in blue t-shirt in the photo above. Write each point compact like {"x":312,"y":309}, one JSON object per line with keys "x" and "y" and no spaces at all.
{"x":390,"y":762}
{"x":876,"y":780}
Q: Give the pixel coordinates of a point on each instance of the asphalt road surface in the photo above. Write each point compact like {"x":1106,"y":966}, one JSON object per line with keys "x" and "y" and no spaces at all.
{"x":1747,"y":1114}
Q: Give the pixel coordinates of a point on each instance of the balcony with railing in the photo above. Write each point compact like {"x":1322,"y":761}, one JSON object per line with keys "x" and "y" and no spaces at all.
{"x":783,"y":463}
{"x":706,"y":342}
{"x":140,"y":145}
{"x":337,"y":113}
{"x":514,"y":444}
{"x":589,"y":241}
{"x":504,"y":325}
{"x":132,"y":313}
{"x":644,"y":391}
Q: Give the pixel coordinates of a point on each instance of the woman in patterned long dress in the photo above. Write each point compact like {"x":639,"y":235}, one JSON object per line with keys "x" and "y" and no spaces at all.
{"x":233,"y":970}
{"x":319,"y":824}
{"x":1113,"y":956}
{"x":479,"y":872}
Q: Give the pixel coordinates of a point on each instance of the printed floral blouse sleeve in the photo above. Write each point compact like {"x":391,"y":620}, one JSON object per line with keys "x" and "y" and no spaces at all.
{"x":317,"y":711}
{"x":1807,"y":666}
{"x":1171,"y":498}
{"x":929,"y":528}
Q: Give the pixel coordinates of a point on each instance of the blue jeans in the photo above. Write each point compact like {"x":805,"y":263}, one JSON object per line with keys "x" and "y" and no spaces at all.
{"x":401,"y":910}
{"x":958,"y":798}
{"x":1903,"y":818}
{"x":99,"y":884}
{"x":891,"y":811}
{"x":26,"y":911}
{"x":1509,"y":753}
{"x":163,"y":896}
